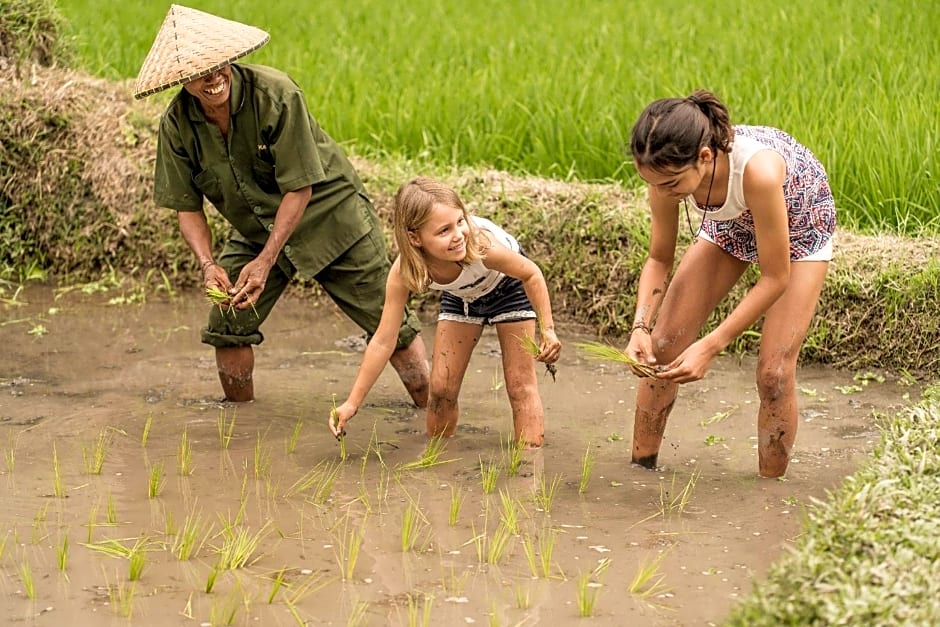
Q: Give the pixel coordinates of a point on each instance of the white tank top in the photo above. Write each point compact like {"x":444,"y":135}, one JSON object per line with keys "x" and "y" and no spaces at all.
{"x":742,"y":150}
{"x":475,"y":279}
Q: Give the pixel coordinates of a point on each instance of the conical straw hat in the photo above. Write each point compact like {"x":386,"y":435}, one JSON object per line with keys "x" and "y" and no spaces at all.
{"x":191,"y":44}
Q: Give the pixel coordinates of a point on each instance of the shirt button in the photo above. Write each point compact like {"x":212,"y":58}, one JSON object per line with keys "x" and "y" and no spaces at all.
{"x":270,"y":227}
{"x":287,"y":249}
{"x":257,"y":210}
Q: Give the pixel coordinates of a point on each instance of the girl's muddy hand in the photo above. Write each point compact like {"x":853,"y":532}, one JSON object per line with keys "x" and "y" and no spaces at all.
{"x":339,"y":417}
{"x":640,"y":349}
{"x":549,"y":346}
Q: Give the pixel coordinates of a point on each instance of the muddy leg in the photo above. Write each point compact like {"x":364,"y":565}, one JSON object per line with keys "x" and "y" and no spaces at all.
{"x":654,"y":401}
{"x":522,"y":387}
{"x":777,"y":422}
{"x":453,"y":344}
{"x":411,"y":364}
{"x":236,"y":364}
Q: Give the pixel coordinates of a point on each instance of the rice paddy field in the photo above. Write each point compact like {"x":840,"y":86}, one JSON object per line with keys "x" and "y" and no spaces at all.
{"x":132,"y":496}
{"x":552,"y":88}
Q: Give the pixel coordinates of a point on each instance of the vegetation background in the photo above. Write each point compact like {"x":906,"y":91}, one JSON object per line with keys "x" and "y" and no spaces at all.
{"x":552,"y":87}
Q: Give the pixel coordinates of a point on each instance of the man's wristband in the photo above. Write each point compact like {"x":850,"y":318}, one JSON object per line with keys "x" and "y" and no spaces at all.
{"x":641,"y":326}
{"x":206,"y":264}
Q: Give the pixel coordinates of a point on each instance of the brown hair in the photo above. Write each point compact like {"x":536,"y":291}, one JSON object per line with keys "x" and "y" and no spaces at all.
{"x":670,"y":132}
{"x":413,"y":204}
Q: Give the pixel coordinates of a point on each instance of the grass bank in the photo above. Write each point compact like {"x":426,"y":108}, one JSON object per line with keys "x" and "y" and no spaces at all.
{"x":77,"y":159}
{"x":869,"y":553}
{"x":552,"y":88}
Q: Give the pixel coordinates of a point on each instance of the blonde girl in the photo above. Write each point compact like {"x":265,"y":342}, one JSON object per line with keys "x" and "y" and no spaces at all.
{"x":484,"y":279}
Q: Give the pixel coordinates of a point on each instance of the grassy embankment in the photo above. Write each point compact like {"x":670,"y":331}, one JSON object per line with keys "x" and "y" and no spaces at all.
{"x":76,"y":156}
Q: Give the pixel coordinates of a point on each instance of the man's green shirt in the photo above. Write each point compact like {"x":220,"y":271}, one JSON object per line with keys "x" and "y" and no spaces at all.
{"x":274,"y":146}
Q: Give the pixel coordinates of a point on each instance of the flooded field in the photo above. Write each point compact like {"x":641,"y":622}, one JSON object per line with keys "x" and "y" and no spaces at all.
{"x":131,"y":495}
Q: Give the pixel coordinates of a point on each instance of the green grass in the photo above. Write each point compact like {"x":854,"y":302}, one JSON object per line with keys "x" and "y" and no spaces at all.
{"x":485,"y":90}
{"x":868,"y":554}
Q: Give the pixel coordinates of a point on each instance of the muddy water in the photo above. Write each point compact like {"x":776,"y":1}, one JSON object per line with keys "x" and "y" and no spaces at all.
{"x":704,"y":527}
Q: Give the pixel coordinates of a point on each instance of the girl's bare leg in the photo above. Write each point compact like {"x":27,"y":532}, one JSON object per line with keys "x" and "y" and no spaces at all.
{"x":703,"y":278}
{"x":453,"y":344}
{"x":522,"y":385}
{"x":782,"y":335}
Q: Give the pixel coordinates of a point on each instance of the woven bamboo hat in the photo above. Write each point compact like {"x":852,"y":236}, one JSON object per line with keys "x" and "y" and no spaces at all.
{"x":191,"y":44}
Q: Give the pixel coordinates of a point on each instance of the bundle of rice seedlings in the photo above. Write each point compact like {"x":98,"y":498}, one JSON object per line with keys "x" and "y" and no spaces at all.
{"x":529,"y":345}
{"x":218,"y":297}
{"x":605,"y":352}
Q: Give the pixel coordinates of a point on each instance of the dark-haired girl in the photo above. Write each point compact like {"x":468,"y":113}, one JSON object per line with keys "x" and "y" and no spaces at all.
{"x":765,"y":199}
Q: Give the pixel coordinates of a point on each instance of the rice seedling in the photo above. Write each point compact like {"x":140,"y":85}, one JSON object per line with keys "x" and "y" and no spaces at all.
{"x":599,"y":351}
{"x":224,"y":612}
{"x":276,"y":585}
{"x":92,"y":521}
{"x":3,"y":544}
{"x":58,"y":488}
{"x":62,"y":553}
{"x":348,"y":543}
{"x":9,"y":454}
{"x":319,"y":480}
{"x":587,"y":468}
{"x":673,"y":502}
{"x":226,"y":428}
{"x":262,"y":458}
{"x":39,"y":524}
{"x":121,"y":596}
{"x":26,"y":578}
{"x":589,"y":585}
{"x":546,"y":549}
{"x":513,"y":454}
{"x":294,"y":436}
{"x":456,"y":500}
{"x":357,"y":616}
{"x":587,"y":595}
{"x":192,"y":536}
{"x":523,"y":597}
{"x":156,"y":481}
{"x":219,"y":298}
{"x":313,"y":582}
{"x":529,"y":345}
{"x":211,"y":578}
{"x":510,"y":512}
{"x":453,"y":584}
{"x":364,"y":496}
{"x":111,"y":510}
{"x":145,"y":435}
{"x":94,"y":459}
{"x":136,"y":562}
{"x":414,"y":527}
{"x":496,"y":546}
{"x":431,"y":456}
{"x":239,"y":545}
{"x":184,"y":455}
{"x":544,"y":494}
{"x":648,"y":579}
{"x":419,"y":611}
{"x":341,"y":436}
{"x":489,"y":473}
{"x":169,"y":524}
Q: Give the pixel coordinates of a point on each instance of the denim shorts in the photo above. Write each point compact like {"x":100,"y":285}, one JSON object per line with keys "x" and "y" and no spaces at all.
{"x":507,"y":302}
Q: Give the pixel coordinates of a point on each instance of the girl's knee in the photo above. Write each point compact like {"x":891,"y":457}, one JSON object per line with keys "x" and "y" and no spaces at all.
{"x":775,"y":380}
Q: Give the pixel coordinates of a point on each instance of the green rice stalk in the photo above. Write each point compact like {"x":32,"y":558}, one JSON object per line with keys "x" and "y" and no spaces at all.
{"x":599,"y":351}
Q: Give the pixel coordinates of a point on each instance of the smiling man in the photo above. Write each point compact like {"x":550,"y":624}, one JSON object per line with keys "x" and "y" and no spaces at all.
{"x":241,"y":136}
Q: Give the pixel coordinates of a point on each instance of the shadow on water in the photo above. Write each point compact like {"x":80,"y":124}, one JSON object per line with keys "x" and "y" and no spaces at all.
{"x":286,"y":532}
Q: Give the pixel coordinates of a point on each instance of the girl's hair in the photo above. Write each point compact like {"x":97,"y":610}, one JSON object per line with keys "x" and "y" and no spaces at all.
{"x":412,"y":208}
{"x":670,"y":132}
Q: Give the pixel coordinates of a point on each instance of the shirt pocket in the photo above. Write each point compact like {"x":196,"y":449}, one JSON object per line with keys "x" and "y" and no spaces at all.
{"x":264,"y":175}
{"x":208,"y":183}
